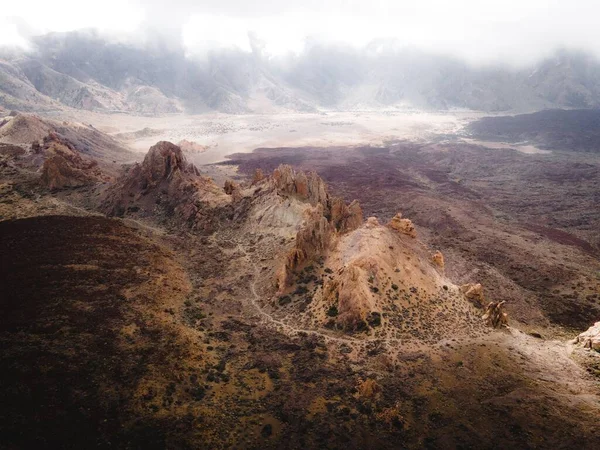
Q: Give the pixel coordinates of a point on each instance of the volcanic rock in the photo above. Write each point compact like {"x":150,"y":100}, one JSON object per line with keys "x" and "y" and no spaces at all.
{"x":473,"y":292}
{"x":346,"y":217}
{"x":401,"y":225}
{"x":230,"y":186}
{"x":495,"y":316}
{"x":165,"y":161}
{"x":438,"y":259}
{"x":590,"y":338}
{"x":166,"y":182}
{"x":312,"y":240}
{"x":306,"y":186}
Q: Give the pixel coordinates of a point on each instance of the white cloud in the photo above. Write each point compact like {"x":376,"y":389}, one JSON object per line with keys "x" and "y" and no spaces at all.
{"x":480,"y":30}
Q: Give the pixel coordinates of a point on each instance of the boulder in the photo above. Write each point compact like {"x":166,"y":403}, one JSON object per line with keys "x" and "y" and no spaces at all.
{"x":404,"y":226}
{"x":590,"y":338}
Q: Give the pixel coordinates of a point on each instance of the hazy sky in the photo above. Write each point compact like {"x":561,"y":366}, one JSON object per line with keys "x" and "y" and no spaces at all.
{"x":480,"y":30}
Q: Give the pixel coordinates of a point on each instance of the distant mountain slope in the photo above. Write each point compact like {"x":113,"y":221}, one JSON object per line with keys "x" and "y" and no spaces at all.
{"x":82,"y":70}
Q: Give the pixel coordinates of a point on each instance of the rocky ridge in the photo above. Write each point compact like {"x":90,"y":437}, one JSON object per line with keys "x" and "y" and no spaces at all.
{"x":166,"y":184}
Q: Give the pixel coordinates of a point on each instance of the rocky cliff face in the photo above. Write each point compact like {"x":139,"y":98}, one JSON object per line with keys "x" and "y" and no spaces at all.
{"x":309,"y":187}
{"x":166,"y":184}
{"x":326,"y":218}
{"x":344,"y":217}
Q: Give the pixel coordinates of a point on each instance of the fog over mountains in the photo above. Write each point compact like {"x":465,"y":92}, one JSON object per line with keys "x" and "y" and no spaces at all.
{"x":84,"y":70}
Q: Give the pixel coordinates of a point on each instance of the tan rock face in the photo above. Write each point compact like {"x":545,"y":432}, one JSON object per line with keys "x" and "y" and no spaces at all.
{"x":308,"y":187}
{"x":372,"y":222}
{"x":328,"y":218}
{"x":401,"y":225}
{"x":346,"y":217}
{"x":590,"y":338}
{"x":312,"y":240}
{"x":349,"y":292}
{"x":495,"y":316}
{"x":473,"y":292}
{"x":438,"y":259}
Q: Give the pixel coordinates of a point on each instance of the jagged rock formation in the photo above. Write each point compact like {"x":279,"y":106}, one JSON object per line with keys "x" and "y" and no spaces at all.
{"x":474,"y":292}
{"x":64,"y":167}
{"x":401,"y":225}
{"x":326,"y":217}
{"x":166,"y":182}
{"x":438,"y":259}
{"x":373,"y":270}
{"x":349,"y":294}
{"x":312,"y":240}
{"x":495,"y":316}
{"x":590,"y":338}
{"x":164,"y":161}
{"x":308,"y":187}
{"x":346,"y":217}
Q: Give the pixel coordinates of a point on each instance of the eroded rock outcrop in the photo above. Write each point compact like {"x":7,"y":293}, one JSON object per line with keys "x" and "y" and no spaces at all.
{"x":230,"y":186}
{"x":401,"y":225}
{"x":165,"y":182}
{"x":474,"y":292}
{"x":308,"y":187}
{"x":233,"y":189}
{"x":164,"y":161}
{"x":495,"y":316}
{"x":349,"y":293}
{"x":312,"y":240}
{"x":326,"y":218}
{"x":590,"y":338}
{"x":438,"y":259}
{"x":346,"y":217}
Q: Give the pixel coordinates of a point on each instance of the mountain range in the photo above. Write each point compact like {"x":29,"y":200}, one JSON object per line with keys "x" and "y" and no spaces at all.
{"x":84,"y":70}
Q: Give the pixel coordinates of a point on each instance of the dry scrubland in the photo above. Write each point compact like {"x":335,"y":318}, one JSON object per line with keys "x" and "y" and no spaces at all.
{"x":151,"y":307}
